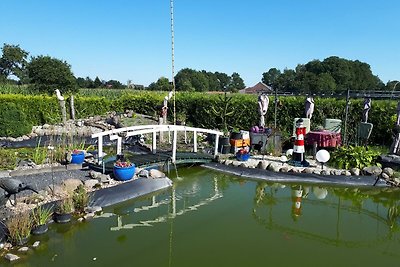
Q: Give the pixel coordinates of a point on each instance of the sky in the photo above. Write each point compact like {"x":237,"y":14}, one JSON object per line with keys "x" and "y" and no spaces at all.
{"x":131,"y":39}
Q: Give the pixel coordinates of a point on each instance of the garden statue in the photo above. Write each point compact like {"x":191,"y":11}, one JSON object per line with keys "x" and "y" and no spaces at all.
{"x":367,"y":107}
{"x":13,"y":186}
{"x":309,"y":105}
{"x":263,"y":102}
{"x":62,"y":106}
{"x":298,"y":158}
{"x":396,"y":132}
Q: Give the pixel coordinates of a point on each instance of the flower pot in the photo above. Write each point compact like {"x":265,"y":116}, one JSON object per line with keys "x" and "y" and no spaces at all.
{"x":40,"y":229}
{"x":124,"y":173}
{"x":62,"y":217}
{"x":78,"y":158}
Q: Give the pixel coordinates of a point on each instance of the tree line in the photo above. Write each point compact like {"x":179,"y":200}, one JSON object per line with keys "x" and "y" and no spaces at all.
{"x":333,"y":74}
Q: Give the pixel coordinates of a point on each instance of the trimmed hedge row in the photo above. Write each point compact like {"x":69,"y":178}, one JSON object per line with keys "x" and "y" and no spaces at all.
{"x":207,"y":110}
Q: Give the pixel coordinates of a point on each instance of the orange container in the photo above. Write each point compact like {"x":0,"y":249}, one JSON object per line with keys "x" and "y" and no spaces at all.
{"x":240,"y":142}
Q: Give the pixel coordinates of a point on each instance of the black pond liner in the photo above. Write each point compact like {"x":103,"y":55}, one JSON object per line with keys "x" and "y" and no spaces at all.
{"x":298,"y":178}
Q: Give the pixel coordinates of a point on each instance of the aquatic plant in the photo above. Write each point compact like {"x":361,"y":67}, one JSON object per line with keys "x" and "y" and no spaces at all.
{"x":41,"y":215}
{"x":80,"y":199}
{"x":19,"y":228}
{"x":65,"y":206}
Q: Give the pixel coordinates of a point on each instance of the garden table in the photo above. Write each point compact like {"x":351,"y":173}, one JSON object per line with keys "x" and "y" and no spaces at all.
{"x":324,"y":138}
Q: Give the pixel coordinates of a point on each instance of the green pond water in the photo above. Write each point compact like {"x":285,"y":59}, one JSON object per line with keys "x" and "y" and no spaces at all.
{"x":212,"y":219}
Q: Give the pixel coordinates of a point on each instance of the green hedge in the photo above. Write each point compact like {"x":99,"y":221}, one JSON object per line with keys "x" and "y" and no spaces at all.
{"x":204,"y":110}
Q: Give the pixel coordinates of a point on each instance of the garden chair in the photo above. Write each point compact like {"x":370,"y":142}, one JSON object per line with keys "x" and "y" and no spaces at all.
{"x":333,"y":125}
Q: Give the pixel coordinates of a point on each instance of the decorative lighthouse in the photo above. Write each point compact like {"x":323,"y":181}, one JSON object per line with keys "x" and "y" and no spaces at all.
{"x":298,"y":158}
{"x":297,"y":195}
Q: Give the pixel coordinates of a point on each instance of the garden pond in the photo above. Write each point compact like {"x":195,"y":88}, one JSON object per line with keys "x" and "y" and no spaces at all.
{"x":213,"y":219}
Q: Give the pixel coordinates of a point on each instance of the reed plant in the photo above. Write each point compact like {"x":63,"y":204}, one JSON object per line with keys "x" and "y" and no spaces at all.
{"x":80,"y":199}
{"x":19,"y":228}
{"x":41,"y":215}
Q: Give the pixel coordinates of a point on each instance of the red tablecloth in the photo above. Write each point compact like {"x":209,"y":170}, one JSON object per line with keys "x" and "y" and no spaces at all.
{"x":324,"y":138}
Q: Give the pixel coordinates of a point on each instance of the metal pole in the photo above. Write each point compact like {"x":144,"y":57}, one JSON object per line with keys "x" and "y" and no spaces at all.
{"x":173,"y":55}
{"x":345,"y":120}
{"x":276,"y":105}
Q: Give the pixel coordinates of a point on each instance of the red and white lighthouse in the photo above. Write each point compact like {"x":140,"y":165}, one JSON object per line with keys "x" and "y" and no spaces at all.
{"x":298,"y":149}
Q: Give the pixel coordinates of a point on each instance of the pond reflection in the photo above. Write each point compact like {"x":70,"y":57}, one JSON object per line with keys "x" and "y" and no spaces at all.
{"x":212,"y":219}
{"x":379,"y":216}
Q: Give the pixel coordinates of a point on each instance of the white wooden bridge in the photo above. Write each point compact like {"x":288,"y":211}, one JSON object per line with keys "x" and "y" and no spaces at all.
{"x":157,"y":131}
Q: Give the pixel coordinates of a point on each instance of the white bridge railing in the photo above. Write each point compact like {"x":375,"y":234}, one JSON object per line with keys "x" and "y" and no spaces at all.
{"x":120,"y":133}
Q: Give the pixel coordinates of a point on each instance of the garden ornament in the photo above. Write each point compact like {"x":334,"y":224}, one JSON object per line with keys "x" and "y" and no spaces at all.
{"x":297,"y":195}
{"x":396,"y":131}
{"x":59,"y":96}
{"x":13,"y":187}
{"x":263,"y":102}
{"x":367,"y":107}
{"x":298,"y":148}
{"x":309,"y":106}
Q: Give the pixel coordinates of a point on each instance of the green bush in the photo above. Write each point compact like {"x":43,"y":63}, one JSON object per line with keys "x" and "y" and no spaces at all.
{"x":197,"y":107}
{"x":13,"y":121}
{"x":353,"y":157}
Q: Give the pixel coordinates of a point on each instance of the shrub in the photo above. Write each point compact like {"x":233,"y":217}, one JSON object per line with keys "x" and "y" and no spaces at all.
{"x":353,"y":157}
{"x":13,"y":121}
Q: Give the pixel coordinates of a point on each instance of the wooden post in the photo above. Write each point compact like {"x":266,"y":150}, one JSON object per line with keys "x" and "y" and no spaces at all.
{"x":100,"y":149}
{"x":195,"y":141}
{"x":72,"y":107}
{"x":216,"y":145}
{"x":154,"y":146}
{"x":119,"y":145}
{"x":315,"y":145}
{"x":63,"y":111}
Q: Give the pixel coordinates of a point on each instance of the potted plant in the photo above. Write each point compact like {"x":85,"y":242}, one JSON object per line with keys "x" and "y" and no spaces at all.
{"x":19,"y":229}
{"x":80,"y":199}
{"x":123,"y":170}
{"x":77,"y":156}
{"x":63,"y":211}
{"x":40,"y":218}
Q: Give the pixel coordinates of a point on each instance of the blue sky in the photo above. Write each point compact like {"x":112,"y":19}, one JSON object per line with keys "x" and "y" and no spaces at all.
{"x":130,"y":39}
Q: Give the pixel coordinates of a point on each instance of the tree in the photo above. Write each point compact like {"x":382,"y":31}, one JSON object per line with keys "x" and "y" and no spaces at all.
{"x":97,"y":83}
{"x":223,"y":80}
{"x":114,"y":84}
{"x":47,"y":74}
{"x":13,"y":62}
{"x":271,"y":76}
{"x":236,"y":83}
{"x":162,"y":84}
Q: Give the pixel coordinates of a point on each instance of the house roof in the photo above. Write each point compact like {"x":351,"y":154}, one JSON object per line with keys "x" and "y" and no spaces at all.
{"x":256,"y":89}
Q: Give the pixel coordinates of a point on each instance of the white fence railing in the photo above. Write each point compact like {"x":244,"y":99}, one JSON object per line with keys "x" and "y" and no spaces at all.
{"x":120,"y":133}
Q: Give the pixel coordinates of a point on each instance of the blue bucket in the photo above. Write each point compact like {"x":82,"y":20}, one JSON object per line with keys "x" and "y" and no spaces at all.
{"x":242,"y":157}
{"x":78,"y":158}
{"x":124,"y":173}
